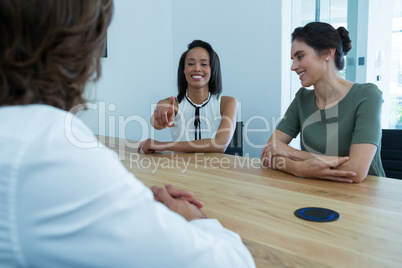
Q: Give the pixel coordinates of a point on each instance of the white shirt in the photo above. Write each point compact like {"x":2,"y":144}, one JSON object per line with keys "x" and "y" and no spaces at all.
{"x":210,"y":119}
{"x":65,"y":206}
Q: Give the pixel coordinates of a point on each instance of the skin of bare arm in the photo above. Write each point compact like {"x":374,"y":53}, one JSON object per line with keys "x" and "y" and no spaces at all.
{"x":315,"y":167}
{"x":360,"y":157}
{"x":279,"y":155}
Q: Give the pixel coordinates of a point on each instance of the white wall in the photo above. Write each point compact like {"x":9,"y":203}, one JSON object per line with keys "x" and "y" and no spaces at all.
{"x":137,"y":71}
{"x":146,"y":39}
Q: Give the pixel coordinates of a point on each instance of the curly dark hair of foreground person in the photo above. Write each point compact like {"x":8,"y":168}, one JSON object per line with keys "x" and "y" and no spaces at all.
{"x":48,"y":59}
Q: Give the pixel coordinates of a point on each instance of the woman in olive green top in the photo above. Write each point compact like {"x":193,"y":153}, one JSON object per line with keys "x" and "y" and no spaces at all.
{"x":339,"y":121}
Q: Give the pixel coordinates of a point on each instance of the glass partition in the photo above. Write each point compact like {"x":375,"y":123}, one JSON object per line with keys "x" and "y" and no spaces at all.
{"x":395,"y":94}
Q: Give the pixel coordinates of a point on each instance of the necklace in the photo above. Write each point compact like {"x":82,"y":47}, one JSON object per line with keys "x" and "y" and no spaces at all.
{"x":197,"y":122}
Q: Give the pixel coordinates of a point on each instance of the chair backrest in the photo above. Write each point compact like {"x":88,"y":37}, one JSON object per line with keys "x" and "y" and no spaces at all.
{"x":391,"y":152}
{"x":236,"y":144}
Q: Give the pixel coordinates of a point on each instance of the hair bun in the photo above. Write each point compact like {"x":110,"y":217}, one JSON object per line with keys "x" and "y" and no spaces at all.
{"x":346,"y":42}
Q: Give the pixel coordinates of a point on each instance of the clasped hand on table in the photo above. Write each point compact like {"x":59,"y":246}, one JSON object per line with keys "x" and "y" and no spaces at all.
{"x":180,"y":201}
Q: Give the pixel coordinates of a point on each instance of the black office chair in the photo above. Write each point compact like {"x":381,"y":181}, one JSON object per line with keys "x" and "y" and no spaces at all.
{"x":391,"y":152}
{"x":236,"y":144}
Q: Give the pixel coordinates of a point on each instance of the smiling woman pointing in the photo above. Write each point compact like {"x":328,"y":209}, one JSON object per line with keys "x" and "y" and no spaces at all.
{"x":199,"y":118}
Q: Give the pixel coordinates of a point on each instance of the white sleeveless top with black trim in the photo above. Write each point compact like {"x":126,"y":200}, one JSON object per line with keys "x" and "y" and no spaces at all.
{"x":197,"y":121}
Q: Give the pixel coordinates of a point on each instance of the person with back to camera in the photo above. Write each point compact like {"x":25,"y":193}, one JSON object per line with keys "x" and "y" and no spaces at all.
{"x":339,"y":121}
{"x":63,"y":205}
{"x":200,"y":120}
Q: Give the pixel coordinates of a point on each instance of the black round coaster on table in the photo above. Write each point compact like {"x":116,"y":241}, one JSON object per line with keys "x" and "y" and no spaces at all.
{"x":317,"y":214}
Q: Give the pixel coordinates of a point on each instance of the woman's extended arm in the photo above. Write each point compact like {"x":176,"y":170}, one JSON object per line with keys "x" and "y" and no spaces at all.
{"x":217,"y":144}
{"x":164,"y":113}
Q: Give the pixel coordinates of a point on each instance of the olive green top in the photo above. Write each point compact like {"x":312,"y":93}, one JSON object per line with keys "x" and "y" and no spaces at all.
{"x":355,"y":119}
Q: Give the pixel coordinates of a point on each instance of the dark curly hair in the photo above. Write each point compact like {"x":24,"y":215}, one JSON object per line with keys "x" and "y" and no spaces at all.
{"x":49,"y":49}
{"x":215,"y":82}
{"x":321,"y":36}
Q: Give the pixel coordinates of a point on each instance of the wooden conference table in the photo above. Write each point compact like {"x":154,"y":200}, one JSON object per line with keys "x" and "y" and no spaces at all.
{"x":259,"y":204}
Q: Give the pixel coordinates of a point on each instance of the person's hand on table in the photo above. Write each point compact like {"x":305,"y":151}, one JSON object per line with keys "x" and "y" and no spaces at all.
{"x":184,"y":194}
{"x":179,"y":201}
{"x":150,"y":146}
{"x":164,"y":114}
{"x":324,"y":168}
{"x":275,"y":148}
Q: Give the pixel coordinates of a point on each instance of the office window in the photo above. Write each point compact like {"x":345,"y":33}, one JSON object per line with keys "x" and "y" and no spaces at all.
{"x":395,"y":96}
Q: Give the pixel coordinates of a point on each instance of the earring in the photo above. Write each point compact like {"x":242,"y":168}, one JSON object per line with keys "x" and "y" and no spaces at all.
{"x":326,"y":58}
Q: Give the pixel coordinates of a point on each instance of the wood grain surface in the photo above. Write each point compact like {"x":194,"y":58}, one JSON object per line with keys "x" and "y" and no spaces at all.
{"x":259,"y":203}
